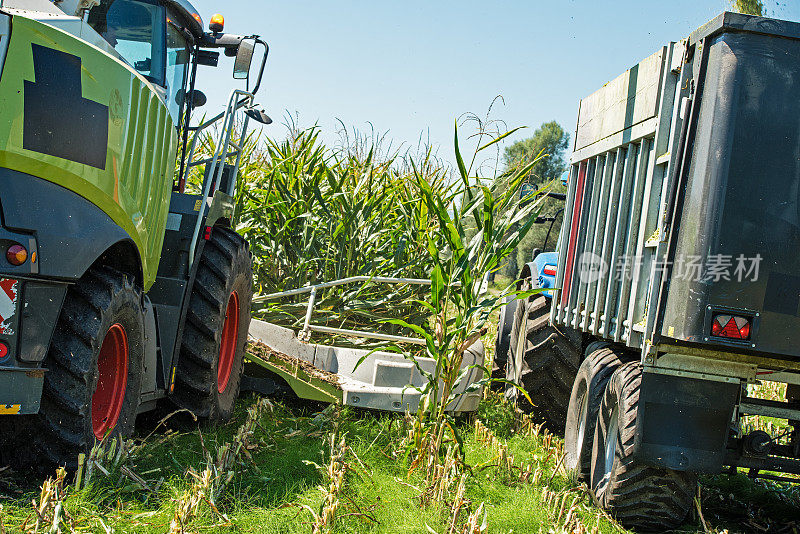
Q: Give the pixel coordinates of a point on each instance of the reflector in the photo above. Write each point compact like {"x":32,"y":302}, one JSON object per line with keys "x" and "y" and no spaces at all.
{"x":731,"y":326}
{"x":3,"y":350}
{"x":16,"y":255}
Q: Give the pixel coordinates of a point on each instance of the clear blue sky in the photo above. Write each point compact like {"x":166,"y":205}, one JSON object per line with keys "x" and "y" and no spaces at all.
{"x":412,"y":67}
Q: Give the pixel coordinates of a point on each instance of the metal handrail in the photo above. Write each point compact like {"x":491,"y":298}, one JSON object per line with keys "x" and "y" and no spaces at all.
{"x":343,"y":281}
{"x":221,"y":154}
{"x":305,"y":334}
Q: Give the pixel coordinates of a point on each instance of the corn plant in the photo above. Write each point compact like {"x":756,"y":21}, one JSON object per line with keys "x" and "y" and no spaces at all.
{"x":460,"y":265}
{"x":312,"y":215}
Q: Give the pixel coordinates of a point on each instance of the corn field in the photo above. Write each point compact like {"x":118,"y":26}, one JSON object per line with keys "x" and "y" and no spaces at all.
{"x":312,"y":214}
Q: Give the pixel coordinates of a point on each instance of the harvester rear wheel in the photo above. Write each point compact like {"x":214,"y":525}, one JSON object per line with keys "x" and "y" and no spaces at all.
{"x":602,"y":359}
{"x":209,"y":370}
{"x":94,"y":372}
{"x":638,"y":496}
{"x":544,"y":363}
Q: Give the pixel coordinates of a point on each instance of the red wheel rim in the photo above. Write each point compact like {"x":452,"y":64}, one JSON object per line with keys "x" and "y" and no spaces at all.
{"x":227,"y":345}
{"x":112,"y":380}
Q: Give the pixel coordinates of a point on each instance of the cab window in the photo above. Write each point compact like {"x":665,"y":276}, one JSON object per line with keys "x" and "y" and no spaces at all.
{"x":135,"y":29}
{"x":177,"y":68}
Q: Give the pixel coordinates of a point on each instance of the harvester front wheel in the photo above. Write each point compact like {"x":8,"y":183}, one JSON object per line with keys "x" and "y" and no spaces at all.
{"x":92,"y":386}
{"x":544,"y":363}
{"x":209,"y":371}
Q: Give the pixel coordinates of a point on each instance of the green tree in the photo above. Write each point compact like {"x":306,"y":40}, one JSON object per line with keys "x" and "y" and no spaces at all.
{"x":551,"y":141}
{"x":748,"y":7}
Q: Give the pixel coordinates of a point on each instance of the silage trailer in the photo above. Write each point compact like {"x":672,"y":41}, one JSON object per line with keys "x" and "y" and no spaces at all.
{"x":676,"y":281}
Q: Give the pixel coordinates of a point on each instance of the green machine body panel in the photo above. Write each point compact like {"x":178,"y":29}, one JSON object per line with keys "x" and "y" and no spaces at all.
{"x":113,"y":141}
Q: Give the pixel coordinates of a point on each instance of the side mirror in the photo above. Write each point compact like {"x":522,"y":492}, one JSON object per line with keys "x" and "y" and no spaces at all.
{"x":258,"y":115}
{"x":526,"y":190}
{"x":244,"y":58}
{"x":197,"y":98}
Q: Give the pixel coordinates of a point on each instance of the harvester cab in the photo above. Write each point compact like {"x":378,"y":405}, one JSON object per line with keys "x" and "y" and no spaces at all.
{"x":119,"y":288}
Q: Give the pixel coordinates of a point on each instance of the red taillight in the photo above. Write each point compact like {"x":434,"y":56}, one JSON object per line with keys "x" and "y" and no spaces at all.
{"x":207,"y":234}
{"x":549,"y":270}
{"x":16,"y":255}
{"x":716,"y":328}
{"x":731,"y":327}
{"x":3,"y":351}
{"x":744,"y":331}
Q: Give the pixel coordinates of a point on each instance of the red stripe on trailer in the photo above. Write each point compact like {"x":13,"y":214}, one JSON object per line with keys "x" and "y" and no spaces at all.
{"x":573,"y":232}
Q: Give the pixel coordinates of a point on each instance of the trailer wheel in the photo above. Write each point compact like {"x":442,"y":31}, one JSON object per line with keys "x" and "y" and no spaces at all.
{"x":638,"y":496}
{"x":584,"y":403}
{"x":92,"y":386}
{"x":503,"y":343}
{"x":209,"y":369}
{"x":544,"y":363}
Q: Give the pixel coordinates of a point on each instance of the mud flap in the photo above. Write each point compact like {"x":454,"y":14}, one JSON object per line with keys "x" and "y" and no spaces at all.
{"x":20,"y":391}
{"x":683,"y":423}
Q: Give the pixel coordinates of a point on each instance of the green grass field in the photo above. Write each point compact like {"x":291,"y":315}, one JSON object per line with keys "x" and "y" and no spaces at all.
{"x":292,"y":464}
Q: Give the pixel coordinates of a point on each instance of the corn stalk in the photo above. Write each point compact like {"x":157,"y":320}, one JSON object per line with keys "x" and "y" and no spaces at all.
{"x":473,"y":228}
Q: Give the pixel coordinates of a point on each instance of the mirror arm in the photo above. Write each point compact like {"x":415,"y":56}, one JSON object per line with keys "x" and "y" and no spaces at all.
{"x":228,"y":41}
{"x":263,"y":64}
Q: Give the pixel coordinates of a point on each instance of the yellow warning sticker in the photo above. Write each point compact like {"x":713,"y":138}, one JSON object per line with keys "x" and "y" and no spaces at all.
{"x":10,"y":409}
{"x":198,"y":203}
{"x":671,"y":331}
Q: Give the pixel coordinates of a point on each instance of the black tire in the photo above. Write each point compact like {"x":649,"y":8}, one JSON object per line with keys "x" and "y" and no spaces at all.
{"x":587,"y":394}
{"x":102,"y":301}
{"x":225,"y":270}
{"x":638,"y":496}
{"x":504,"y":344}
{"x":544,"y":363}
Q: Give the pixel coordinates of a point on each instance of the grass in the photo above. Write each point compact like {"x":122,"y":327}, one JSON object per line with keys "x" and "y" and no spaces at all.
{"x":268,"y":492}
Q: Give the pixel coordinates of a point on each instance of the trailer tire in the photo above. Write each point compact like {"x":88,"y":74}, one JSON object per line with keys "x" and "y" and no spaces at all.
{"x":544,"y":363}
{"x":638,"y":496}
{"x":503,"y":344}
{"x":208,"y":374}
{"x":86,"y":396}
{"x":587,"y":394}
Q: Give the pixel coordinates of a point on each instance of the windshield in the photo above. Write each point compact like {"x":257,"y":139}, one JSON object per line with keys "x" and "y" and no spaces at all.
{"x":135,"y":28}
